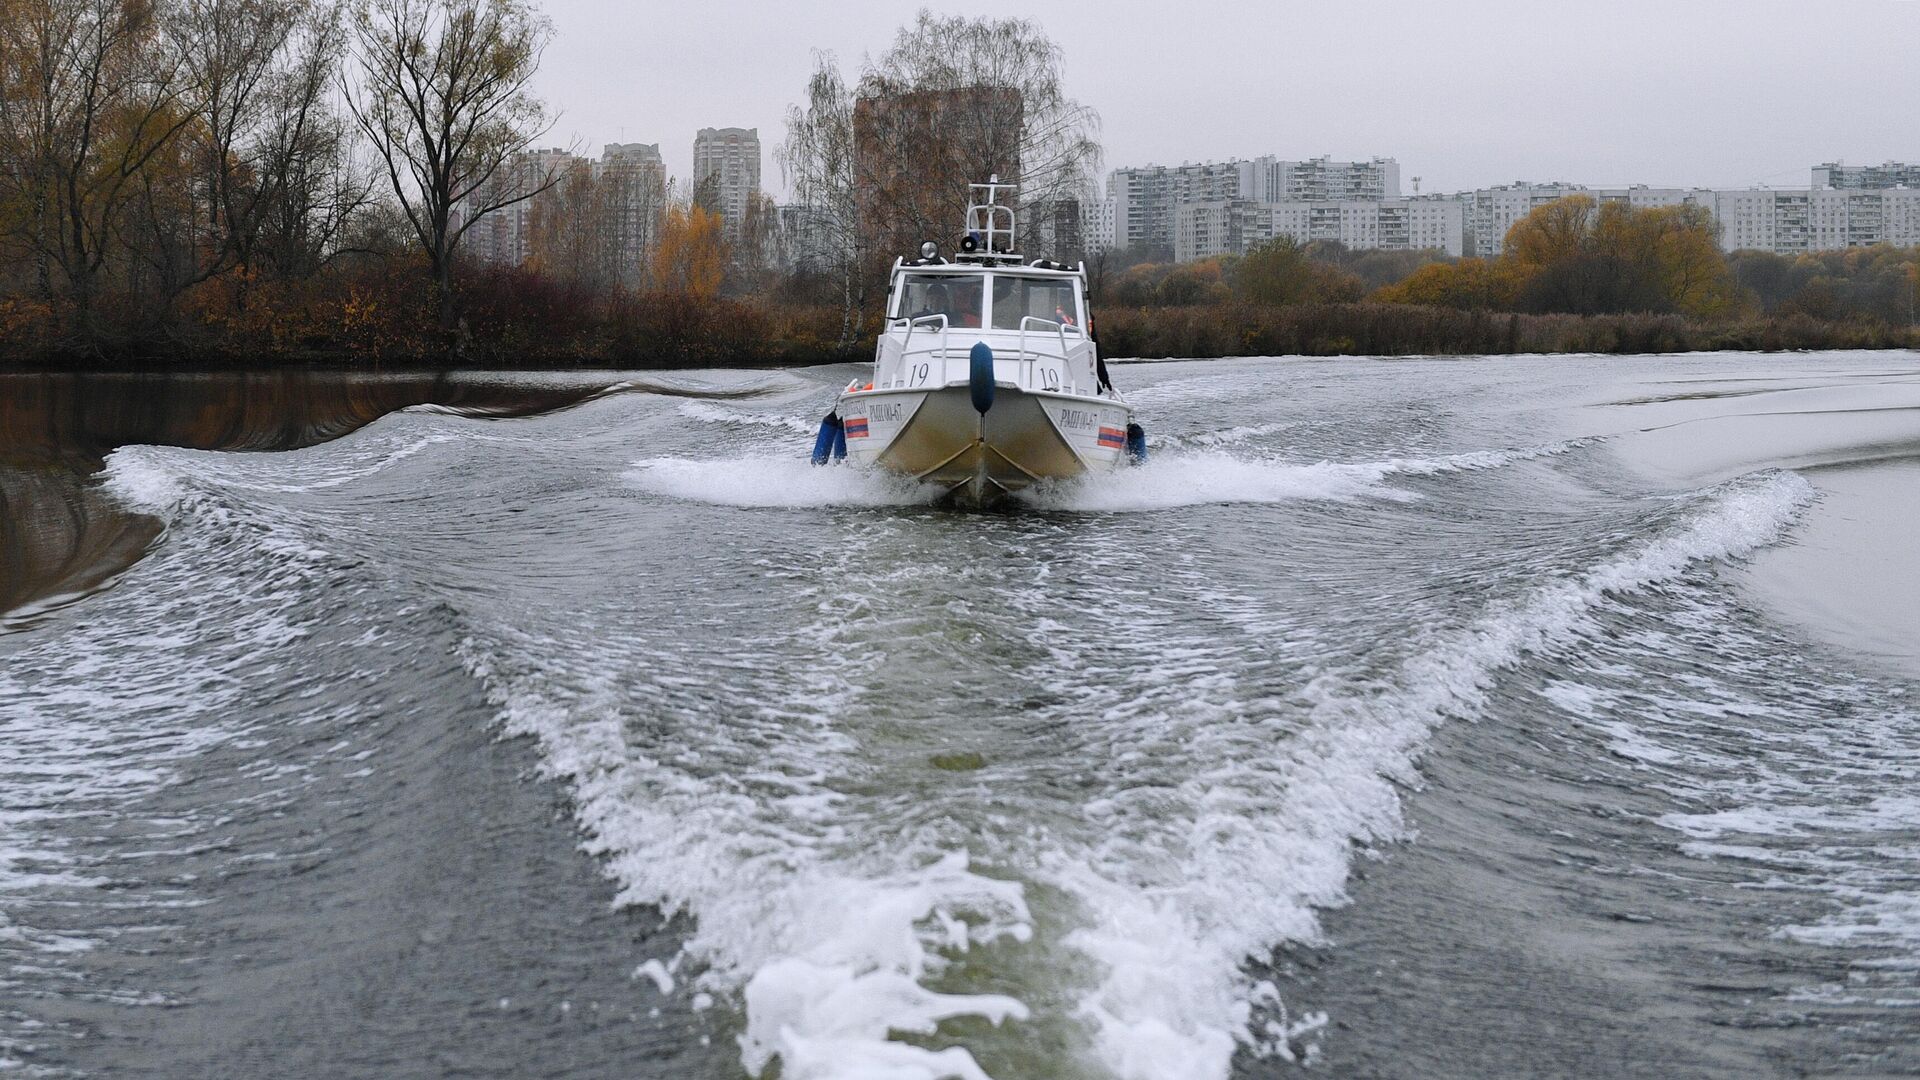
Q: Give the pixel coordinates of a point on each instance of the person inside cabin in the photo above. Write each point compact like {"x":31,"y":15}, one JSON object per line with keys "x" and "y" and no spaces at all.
{"x":934,"y":302}
{"x":966,"y":307}
{"x":961,"y":305}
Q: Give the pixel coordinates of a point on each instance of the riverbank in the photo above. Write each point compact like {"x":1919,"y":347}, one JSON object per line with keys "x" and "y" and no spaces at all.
{"x":723,"y":332}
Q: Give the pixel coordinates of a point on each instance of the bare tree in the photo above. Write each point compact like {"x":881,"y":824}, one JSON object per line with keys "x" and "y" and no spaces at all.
{"x":269,"y":177}
{"x":956,"y":99}
{"x":312,"y":185}
{"x":953,"y":101}
{"x":444,"y":99}
{"x":631,"y":189}
{"x":817,"y":160}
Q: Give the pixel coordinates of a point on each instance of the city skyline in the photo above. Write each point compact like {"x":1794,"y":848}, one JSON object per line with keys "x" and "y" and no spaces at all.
{"x":1713,"y":93}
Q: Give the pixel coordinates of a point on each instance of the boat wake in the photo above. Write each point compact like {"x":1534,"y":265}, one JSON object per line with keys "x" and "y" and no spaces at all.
{"x":1168,"y":481}
{"x":866,"y":935}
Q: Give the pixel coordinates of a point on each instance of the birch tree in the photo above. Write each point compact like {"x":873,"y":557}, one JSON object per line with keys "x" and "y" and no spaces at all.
{"x":817,"y":160}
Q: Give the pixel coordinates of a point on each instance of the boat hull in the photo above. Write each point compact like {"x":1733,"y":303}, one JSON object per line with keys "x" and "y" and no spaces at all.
{"x":938,"y":437}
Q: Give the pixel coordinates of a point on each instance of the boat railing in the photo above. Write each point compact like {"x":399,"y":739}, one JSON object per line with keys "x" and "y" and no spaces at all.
{"x":1032,"y":357}
{"x":936,"y":323}
{"x":1039,"y":340}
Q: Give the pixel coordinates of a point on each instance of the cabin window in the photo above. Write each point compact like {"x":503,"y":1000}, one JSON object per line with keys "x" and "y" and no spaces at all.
{"x":1016,"y":298}
{"x":958,"y":298}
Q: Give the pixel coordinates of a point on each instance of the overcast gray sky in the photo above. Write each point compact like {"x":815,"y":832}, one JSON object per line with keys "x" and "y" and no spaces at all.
{"x":1716,"y":93}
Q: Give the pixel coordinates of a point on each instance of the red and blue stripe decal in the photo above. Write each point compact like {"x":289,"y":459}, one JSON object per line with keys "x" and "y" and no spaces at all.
{"x":856,"y":427}
{"x":1114,"y":438}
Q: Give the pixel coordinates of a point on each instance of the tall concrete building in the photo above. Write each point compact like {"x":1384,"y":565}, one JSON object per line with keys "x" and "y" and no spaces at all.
{"x":1268,"y":179}
{"x":729,"y":159}
{"x":1096,"y":225}
{"x":1145,"y":199}
{"x":1788,"y":221}
{"x":632,"y":182}
{"x":503,"y":235}
{"x":1429,"y":222}
{"x":1888,"y":174}
{"x":805,"y":239}
{"x":1231,"y":226}
{"x":1210,"y":227}
{"x":1793,"y":222}
{"x":1491,"y":212}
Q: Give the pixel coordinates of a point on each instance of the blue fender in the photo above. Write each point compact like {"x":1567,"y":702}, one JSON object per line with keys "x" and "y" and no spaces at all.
{"x":833,"y":434}
{"x":980,"y":377}
{"x":1137,"y":444}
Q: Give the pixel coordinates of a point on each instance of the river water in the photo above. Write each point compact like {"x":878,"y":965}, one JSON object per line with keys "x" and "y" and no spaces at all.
{"x":1402,"y":718}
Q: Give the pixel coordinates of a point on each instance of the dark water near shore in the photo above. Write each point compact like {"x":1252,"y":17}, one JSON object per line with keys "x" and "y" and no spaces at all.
{"x":1462,"y":718}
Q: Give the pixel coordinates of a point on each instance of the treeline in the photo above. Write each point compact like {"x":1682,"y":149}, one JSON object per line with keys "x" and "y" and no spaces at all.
{"x":238,"y":180}
{"x":1574,"y":276}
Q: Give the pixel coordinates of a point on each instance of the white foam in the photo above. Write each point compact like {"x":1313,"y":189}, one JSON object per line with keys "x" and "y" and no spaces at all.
{"x":1214,"y":477}
{"x":833,"y":923}
{"x":828,"y":960}
{"x":774,"y":481}
{"x":722,"y":414}
{"x":137,"y":478}
{"x":1211,"y":477}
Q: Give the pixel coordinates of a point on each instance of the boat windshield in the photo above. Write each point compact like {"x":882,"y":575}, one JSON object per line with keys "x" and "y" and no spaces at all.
{"x":957,"y":297}
{"x":1016,"y":298}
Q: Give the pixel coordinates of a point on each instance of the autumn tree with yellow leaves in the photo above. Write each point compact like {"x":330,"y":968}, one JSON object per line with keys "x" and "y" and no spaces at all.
{"x":1580,"y":257}
{"x":690,"y":258}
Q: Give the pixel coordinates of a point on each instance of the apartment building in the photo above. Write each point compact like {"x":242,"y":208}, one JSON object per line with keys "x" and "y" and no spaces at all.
{"x":503,"y":234}
{"x":1492,"y":212}
{"x":632,"y":182}
{"x":1268,"y":179}
{"x":1212,"y":227}
{"x":1792,"y":222}
{"x":1426,"y":222}
{"x":1145,"y":199}
{"x":1097,"y":225}
{"x":1231,"y":226}
{"x":1887,"y":174}
{"x":729,"y":160}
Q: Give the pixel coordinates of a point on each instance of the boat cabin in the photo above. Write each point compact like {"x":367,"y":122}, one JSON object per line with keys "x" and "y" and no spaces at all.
{"x":1033,"y":315}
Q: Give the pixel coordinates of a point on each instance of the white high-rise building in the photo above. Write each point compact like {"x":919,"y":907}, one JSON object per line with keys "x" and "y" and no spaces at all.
{"x":729,"y":159}
{"x":1493,"y":212}
{"x":1202,"y":230}
{"x":1144,"y":198}
{"x":632,"y":181}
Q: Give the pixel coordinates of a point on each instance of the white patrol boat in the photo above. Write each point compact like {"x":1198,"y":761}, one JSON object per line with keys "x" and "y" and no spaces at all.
{"x":986,"y":378}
